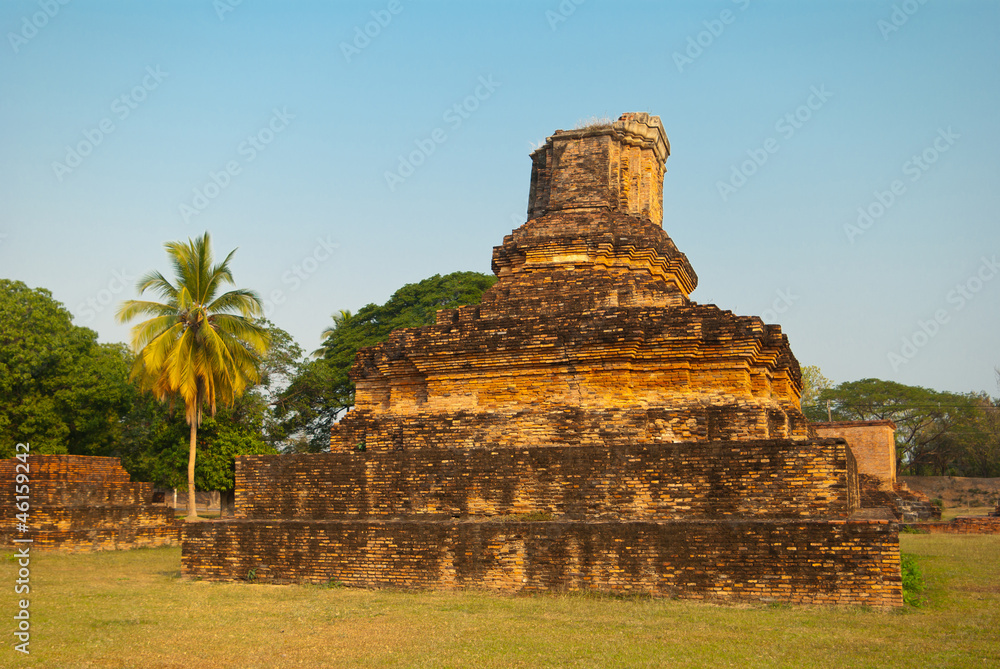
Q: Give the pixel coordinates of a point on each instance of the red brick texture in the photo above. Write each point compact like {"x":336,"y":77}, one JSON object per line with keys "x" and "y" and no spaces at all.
{"x":80,"y":503}
{"x":962,"y":525}
{"x":763,"y":479}
{"x":873,"y":443}
{"x":802,"y":562}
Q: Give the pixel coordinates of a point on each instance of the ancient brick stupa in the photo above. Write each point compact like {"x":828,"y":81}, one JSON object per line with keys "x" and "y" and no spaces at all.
{"x":587,"y":426}
{"x":589,"y":336}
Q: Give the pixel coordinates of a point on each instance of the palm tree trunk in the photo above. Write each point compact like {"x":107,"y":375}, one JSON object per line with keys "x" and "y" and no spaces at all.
{"x":192,"y":504}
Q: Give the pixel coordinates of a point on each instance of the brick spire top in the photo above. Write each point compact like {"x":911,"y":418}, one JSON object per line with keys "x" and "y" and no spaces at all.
{"x":617,"y":166}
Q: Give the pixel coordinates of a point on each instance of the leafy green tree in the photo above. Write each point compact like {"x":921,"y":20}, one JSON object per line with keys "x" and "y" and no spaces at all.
{"x":60,"y":390}
{"x":813,"y":383}
{"x":321,"y":389}
{"x":974,"y":440}
{"x":155,"y":443}
{"x":149,"y":430}
{"x":198,"y":347}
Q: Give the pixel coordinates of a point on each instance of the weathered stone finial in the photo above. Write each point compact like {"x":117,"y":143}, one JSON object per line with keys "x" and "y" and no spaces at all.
{"x":617,"y":166}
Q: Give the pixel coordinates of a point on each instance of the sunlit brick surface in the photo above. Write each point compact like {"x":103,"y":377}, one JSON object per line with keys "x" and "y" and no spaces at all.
{"x":588,"y":336}
{"x":80,"y":502}
{"x":765,"y":479}
{"x":806,"y":562}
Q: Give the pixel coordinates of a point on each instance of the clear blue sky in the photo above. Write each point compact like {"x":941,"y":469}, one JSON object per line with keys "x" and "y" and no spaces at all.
{"x":871,"y":90}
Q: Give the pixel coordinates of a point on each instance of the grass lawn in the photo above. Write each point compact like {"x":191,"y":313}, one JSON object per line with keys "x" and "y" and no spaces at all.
{"x":132,"y":609}
{"x":955,"y":511}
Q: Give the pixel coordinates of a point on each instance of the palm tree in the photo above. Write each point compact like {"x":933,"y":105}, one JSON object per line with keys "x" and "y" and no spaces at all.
{"x":197,"y":346}
{"x":340,"y":318}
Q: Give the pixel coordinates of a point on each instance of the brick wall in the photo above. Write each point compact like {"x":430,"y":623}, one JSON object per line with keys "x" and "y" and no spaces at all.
{"x":873,"y":443}
{"x":82,"y":502}
{"x":961,"y":525}
{"x":773,"y":479}
{"x":804,"y":562}
{"x":662,"y":519}
{"x":618,"y":166}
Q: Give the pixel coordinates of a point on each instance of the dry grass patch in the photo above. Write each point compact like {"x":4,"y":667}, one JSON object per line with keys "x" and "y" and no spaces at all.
{"x":132,"y":609}
{"x":955,"y":511}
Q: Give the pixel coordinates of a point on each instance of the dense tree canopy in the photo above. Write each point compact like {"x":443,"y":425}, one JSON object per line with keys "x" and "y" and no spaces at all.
{"x":155,"y":445}
{"x":322,"y":389}
{"x":60,"y":390}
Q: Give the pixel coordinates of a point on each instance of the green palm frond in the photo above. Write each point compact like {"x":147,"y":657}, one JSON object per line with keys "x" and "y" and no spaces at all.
{"x":158,"y":283}
{"x":200,"y":345}
{"x":245,"y":302}
{"x":130,"y":309}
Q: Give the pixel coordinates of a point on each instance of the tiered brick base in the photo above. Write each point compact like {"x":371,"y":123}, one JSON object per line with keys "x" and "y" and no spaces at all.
{"x":83,"y":503}
{"x":758,"y":479}
{"x":803,"y":562}
{"x":663,"y":519}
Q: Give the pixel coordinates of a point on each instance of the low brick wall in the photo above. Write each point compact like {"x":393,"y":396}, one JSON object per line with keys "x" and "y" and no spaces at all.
{"x":961,"y":525}
{"x":80,"y":502}
{"x":67,"y":468}
{"x":873,"y":443}
{"x":803,"y":562}
{"x":105,"y":539}
{"x":756,"y":479}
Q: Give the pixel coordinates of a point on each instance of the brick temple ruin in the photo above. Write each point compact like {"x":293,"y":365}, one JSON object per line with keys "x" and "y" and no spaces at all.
{"x":81,"y":503}
{"x":873,"y":444}
{"x":586,"y":427}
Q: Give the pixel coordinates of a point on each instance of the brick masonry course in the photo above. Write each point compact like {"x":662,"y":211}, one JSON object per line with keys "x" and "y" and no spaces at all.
{"x":777,"y":479}
{"x":81,"y":503}
{"x":802,"y":562}
{"x":961,"y":525}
